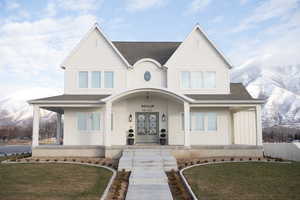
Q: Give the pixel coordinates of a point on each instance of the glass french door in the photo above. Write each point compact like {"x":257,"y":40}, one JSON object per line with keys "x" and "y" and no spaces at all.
{"x":147,"y":127}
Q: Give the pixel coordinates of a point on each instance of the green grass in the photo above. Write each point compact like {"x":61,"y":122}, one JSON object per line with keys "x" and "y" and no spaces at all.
{"x":52,"y":181}
{"x":245,"y":181}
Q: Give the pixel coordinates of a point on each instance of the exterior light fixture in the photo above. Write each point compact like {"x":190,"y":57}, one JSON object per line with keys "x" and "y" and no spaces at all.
{"x":130,"y":118}
{"x":163,"y":117}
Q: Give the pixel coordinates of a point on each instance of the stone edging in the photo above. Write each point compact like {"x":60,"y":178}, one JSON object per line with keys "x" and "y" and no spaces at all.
{"x":105,"y":193}
{"x":210,"y":163}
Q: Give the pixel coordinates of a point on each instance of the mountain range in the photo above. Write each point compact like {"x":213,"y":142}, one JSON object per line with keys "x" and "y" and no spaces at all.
{"x":278,"y":85}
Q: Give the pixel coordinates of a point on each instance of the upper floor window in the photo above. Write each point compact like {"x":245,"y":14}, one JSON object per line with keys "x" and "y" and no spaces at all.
{"x":108,"y":79}
{"x":198,"y":79}
{"x":96,"y":79}
{"x":209,"y":79}
{"x":83,"y":79}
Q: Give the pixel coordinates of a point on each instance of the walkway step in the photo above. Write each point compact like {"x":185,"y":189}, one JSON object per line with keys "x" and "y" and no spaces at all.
{"x":148,"y":180}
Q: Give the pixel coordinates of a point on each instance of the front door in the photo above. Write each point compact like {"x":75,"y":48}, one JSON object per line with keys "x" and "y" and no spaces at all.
{"x":147,"y":127}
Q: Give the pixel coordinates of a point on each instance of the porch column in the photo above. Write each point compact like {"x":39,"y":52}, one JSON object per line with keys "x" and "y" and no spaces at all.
{"x":107,"y":131}
{"x":35,"y":126}
{"x":186,"y":124}
{"x":58,"y":129}
{"x":258,"y":125}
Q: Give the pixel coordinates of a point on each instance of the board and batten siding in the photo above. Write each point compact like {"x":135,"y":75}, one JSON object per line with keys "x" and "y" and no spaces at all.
{"x":245,"y":127}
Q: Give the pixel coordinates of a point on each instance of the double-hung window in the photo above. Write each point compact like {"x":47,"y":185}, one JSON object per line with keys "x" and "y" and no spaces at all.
{"x":198,"y":79}
{"x":185,"y":79}
{"x":197,"y":121}
{"x":209,"y":79}
{"x":108,"y":79}
{"x":201,"y":121}
{"x":211,"y":121}
{"x":88,"y":121}
{"x":96,"y":79}
{"x":83,"y":79}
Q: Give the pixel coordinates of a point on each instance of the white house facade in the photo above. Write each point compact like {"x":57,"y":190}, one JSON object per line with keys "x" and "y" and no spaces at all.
{"x":174,"y":95}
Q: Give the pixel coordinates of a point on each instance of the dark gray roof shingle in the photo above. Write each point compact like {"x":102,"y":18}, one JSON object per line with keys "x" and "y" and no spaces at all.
{"x":237,"y":92}
{"x":72,"y":97}
{"x":134,"y":51}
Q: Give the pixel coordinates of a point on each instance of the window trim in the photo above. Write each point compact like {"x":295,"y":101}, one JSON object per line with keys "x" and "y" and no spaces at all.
{"x":202,"y":80}
{"x":78,"y":79}
{"x":92,"y":79}
{"x":89,"y":122}
{"x":102,"y":79}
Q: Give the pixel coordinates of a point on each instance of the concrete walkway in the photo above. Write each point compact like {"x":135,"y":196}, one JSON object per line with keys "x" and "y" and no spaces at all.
{"x":148,"y":180}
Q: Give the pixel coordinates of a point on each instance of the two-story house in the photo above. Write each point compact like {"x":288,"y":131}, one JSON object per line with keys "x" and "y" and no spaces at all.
{"x":180,"y":89}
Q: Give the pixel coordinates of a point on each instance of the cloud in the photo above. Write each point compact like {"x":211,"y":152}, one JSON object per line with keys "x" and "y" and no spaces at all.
{"x":12,"y":5}
{"x":138,"y":5}
{"x":31,"y":51}
{"x":197,"y":5}
{"x":267,"y":10}
{"x":276,"y":45}
{"x":81,"y":6}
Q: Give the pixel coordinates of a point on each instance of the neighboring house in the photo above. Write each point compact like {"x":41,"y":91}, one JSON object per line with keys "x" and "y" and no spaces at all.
{"x":182,"y":87}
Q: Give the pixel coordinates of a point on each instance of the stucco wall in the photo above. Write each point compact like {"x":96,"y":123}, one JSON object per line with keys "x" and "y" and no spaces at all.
{"x":245,"y":127}
{"x":288,"y":151}
{"x":219,"y":137}
{"x":72,"y":136}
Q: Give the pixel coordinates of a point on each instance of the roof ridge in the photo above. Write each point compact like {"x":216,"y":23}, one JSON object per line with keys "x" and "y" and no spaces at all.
{"x":148,"y":41}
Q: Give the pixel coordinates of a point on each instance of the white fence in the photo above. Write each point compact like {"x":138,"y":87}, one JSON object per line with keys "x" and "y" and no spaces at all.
{"x":288,"y":151}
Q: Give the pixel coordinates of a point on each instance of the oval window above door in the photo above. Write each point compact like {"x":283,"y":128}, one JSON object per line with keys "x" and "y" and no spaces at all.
{"x":147,"y":76}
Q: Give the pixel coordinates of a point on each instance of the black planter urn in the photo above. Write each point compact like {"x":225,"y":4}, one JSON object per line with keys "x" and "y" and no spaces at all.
{"x":163,"y":138}
{"x":130,"y":138}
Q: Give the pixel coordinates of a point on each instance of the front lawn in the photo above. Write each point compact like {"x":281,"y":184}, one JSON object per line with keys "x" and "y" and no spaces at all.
{"x":245,"y":181}
{"x":52,"y":181}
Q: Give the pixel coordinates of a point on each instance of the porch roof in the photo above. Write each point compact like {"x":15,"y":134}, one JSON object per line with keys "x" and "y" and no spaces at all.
{"x":238,"y":92}
{"x":70,"y":98}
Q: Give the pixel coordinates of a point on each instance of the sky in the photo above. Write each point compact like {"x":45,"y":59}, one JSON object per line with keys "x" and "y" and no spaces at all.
{"x":36,"y":35}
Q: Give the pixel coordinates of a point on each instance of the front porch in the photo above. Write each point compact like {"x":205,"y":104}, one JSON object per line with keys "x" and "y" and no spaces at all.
{"x":108,"y":121}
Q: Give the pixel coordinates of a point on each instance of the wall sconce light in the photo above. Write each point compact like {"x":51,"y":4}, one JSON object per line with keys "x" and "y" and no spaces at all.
{"x":163,"y":117}
{"x":130,"y":118}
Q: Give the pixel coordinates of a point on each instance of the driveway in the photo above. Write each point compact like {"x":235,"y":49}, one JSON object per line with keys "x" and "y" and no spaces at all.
{"x":10,"y":149}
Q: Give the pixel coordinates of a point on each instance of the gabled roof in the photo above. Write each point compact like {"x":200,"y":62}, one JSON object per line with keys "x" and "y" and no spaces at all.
{"x":134,"y":51}
{"x":197,"y":27}
{"x":95,"y":27}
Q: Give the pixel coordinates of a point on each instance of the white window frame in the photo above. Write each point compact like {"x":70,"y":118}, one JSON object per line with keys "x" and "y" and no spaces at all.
{"x":91,"y":72}
{"x":202,"y":84}
{"x":89,"y":122}
{"x":102,"y":77}
{"x":216,"y":114}
{"x":203,"y":79}
{"x":205,"y":122}
{"x":78,"y":79}
{"x":113,"y":81}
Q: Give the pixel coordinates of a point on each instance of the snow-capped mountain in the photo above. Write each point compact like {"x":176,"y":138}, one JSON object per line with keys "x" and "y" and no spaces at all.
{"x":14,"y":109}
{"x":279,"y":85}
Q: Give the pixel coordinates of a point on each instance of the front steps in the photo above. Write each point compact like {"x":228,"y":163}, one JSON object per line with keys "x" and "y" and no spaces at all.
{"x":148,"y":180}
{"x":147,"y":158}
